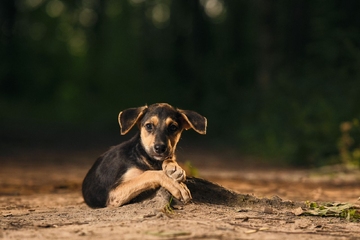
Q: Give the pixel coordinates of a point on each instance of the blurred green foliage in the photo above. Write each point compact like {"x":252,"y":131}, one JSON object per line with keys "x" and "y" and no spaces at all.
{"x":349,"y":143}
{"x":274,"y":78}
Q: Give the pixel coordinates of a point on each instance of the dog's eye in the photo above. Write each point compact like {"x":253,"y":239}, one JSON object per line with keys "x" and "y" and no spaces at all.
{"x":173,"y":128}
{"x":148,"y":126}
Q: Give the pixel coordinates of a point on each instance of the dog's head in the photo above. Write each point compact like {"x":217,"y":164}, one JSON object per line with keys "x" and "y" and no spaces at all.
{"x":160,"y":127}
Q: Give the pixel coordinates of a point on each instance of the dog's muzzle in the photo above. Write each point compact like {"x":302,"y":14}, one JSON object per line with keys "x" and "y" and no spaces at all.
{"x":160,"y":152}
{"x":160,"y":148}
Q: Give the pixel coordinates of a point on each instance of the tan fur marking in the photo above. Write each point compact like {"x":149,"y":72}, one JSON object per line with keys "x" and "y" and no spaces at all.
{"x":131,"y":173}
{"x":147,"y":139}
{"x":154,"y":120}
{"x":174,"y":138}
{"x":169,"y":121}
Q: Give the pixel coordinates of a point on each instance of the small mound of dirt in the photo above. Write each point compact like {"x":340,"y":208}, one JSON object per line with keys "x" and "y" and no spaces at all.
{"x":204,"y":191}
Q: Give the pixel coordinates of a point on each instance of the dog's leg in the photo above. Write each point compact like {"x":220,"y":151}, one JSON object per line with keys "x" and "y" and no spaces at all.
{"x":126,"y":191}
{"x":172,"y":169}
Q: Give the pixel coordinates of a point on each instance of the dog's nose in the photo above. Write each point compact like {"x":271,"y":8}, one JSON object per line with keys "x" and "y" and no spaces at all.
{"x":160,"y":148}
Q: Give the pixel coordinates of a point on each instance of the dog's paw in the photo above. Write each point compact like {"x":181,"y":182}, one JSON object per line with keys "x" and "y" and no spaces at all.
{"x":180,"y":192}
{"x":187,"y":194}
{"x":174,"y":171}
{"x":177,"y":189}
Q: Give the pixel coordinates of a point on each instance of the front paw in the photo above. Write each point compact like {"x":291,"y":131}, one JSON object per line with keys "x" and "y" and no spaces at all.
{"x":174,"y":171}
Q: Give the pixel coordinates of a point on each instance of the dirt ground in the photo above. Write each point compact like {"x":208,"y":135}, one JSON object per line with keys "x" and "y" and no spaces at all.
{"x":40,"y":198}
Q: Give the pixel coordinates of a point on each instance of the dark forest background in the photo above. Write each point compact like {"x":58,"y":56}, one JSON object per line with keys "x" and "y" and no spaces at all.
{"x":276,"y":79}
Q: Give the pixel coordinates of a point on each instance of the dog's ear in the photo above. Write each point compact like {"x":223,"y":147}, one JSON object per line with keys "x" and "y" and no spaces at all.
{"x":194,"y":120}
{"x":129,"y":117}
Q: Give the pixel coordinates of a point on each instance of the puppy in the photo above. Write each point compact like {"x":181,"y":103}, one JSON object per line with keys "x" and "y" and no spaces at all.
{"x":145,"y":162}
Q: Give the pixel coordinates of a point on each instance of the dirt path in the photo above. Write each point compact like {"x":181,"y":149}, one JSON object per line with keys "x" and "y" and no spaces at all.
{"x":41,"y":200}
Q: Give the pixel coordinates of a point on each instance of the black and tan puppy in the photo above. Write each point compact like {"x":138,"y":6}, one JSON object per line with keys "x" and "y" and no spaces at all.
{"x":146,"y":161}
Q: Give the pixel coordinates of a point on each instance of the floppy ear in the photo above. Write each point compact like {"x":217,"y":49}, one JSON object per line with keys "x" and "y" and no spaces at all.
{"x":194,"y":120}
{"x":129,"y":117}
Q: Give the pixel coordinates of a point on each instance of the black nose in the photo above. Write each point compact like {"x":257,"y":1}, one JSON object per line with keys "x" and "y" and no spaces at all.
{"x":160,"y":148}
